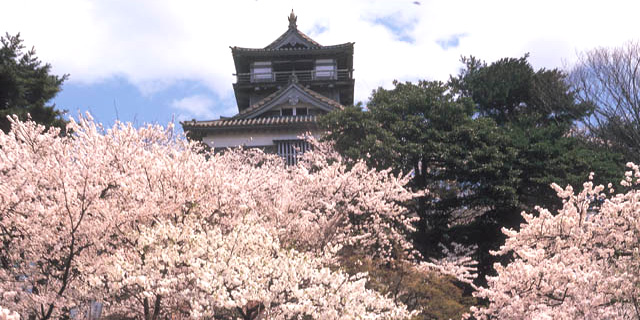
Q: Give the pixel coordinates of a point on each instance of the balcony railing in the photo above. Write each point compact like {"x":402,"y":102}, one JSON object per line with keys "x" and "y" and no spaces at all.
{"x":305,"y":75}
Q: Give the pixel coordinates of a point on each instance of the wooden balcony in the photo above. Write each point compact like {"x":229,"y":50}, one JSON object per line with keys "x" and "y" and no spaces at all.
{"x":303,"y":76}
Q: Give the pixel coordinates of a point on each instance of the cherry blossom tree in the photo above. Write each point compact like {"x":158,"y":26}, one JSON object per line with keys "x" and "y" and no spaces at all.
{"x":583,"y":262}
{"x":52,"y":213}
{"x":309,"y":208}
{"x":202,"y":270}
{"x":6,"y":314}
{"x":151,"y":225}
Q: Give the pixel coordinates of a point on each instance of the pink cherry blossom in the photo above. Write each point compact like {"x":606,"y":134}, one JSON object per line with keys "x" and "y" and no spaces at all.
{"x":153,"y":226}
{"x":581,"y":263}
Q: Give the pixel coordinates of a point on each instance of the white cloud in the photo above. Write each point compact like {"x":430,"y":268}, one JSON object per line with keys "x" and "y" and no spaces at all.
{"x":198,"y":106}
{"x":153,"y":43}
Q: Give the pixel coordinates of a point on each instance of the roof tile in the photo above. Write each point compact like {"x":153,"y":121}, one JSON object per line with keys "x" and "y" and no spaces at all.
{"x":230,"y":123}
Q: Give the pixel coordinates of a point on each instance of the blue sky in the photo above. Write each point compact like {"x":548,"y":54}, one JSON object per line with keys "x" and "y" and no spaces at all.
{"x":117,"y":98}
{"x":163,"y":60}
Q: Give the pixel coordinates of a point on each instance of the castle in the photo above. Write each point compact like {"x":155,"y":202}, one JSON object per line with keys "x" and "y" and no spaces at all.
{"x":280,"y":91}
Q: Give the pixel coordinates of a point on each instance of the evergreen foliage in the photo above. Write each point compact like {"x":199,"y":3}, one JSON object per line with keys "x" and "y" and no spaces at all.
{"x":26,"y":85}
{"x":487,"y":145}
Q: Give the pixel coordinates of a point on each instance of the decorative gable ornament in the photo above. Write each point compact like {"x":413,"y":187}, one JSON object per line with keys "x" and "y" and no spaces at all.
{"x":292,"y":20}
{"x":293,"y":100}
{"x":293,"y":38}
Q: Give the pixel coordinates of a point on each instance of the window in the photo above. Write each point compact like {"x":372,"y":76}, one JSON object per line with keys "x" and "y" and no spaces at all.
{"x":261,"y":71}
{"x":294,"y":111}
{"x":291,"y":150}
{"x":325,"y":69}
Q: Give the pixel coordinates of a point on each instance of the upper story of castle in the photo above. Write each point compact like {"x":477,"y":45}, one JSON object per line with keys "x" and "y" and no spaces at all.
{"x":326,"y":70}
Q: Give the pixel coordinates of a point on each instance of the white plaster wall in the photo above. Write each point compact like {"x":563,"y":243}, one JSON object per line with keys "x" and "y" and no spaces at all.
{"x":252,"y":139}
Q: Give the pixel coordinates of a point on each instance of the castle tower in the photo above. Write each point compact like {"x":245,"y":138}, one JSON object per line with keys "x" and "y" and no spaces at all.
{"x":280,"y":90}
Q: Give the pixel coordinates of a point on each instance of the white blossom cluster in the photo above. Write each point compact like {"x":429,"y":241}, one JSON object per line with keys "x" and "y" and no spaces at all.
{"x":581,"y":263}
{"x":6,"y":314}
{"x":152,"y":226}
{"x":456,"y":262}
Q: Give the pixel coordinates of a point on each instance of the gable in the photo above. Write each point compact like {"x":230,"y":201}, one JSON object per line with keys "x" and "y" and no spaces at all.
{"x":293,"y":39}
{"x":290,"y":100}
{"x":292,"y":96}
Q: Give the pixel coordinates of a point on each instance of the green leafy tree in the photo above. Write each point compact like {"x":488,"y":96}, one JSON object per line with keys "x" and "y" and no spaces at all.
{"x":426,"y":129}
{"x":510,"y":91}
{"x":487,"y":145}
{"x":26,"y":85}
{"x":537,"y":111}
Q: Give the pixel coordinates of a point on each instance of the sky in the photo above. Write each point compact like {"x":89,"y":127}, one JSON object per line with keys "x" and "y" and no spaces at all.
{"x":159,"y":61}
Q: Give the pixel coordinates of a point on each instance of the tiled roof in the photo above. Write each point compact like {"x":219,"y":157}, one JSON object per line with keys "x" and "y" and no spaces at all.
{"x":311,"y":42}
{"x":272,"y":96}
{"x":254,"y":122}
{"x":337,"y":46}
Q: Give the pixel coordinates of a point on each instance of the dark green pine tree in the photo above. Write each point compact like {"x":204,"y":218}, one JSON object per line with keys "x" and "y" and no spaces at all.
{"x":26,"y":85}
{"x":423,"y":128}
{"x":536,"y":112}
{"x":487,"y":145}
